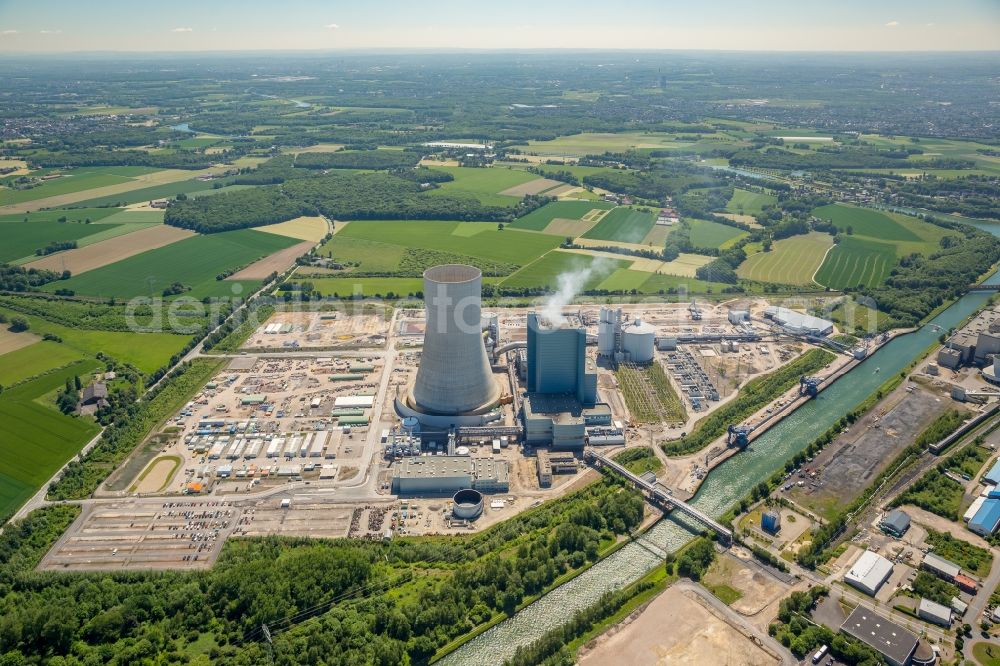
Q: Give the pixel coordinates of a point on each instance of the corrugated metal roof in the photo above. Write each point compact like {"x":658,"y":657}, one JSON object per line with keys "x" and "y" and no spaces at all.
{"x":993,"y":476}
{"x":986,"y":519}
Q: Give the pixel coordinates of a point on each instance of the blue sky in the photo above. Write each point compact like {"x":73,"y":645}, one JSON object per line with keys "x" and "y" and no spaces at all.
{"x":188,"y":25}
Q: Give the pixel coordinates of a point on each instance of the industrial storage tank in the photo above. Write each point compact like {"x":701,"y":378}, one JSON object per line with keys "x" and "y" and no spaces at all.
{"x":454,"y":376}
{"x":467,"y":504}
{"x":638,"y":341}
{"x":607,"y":329}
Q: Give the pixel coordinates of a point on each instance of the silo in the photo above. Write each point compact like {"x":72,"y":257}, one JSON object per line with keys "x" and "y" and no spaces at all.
{"x":637,"y":341}
{"x":606,"y":332}
{"x":454,"y":376}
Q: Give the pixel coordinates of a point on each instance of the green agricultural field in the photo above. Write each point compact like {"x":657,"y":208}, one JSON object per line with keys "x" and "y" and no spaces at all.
{"x":671,"y":284}
{"x":624,"y":279}
{"x":856,"y":262}
{"x":35,"y":439}
{"x":791,"y":260}
{"x":76,"y":180}
{"x":21,"y":239}
{"x":35,"y":359}
{"x":71,"y":215}
{"x":146,"y":351}
{"x":595,"y":143}
{"x":624,"y":224}
{"x":745,"y":202}
{"x":545,"y":271}
{"x":194,"y":262}
{"x":368,"y":287}
{"x":705,"y":233}
{"x":540,"y":218}
{"x":484,"y":184}
{"x":865,"y":222}
{"x":372,"y":255}
{"x":475,"y":239}
{"x":165,"y":191}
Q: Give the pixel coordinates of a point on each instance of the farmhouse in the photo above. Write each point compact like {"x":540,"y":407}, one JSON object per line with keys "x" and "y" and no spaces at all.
{"x":94,"y":397}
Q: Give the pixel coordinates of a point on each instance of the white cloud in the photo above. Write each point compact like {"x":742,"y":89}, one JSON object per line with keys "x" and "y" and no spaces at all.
{"x":930,"y":25}
{"x":50,"y":32}
{"x":9,"y":32}
{"x":182,"y":30}
{"x":892,"y":24}
{"x":332,"y":26}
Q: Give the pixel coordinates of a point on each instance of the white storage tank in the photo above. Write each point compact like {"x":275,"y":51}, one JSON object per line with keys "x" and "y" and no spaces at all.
{"x":638,"y":341}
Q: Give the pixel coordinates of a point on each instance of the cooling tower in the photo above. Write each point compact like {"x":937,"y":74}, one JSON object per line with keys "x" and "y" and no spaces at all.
{"x":454,"y":376}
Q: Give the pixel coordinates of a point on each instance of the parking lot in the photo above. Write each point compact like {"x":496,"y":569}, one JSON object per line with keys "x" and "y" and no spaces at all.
{"x":144,"y":535}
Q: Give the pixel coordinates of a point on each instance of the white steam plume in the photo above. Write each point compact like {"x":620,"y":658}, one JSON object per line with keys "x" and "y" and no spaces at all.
{"x":570,"y":284}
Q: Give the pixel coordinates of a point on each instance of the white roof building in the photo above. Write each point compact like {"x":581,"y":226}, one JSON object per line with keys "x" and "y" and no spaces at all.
{"x":798,"y":322}
{"x":354,"y":401}
{"x":869,"y":572}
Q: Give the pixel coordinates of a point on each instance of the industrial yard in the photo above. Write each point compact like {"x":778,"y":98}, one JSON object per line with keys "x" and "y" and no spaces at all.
{"x":415,"y":425}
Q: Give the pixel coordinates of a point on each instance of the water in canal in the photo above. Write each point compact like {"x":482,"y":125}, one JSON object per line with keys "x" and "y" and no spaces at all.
{"x":724,"y":486}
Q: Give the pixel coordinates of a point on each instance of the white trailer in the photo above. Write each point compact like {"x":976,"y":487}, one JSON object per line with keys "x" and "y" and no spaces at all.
{"x":275,"y":447}
{"x":292,"y":449}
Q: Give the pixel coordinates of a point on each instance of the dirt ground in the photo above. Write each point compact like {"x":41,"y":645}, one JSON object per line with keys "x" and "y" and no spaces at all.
{"x":304,"y":228}
{"x":106,"y":252}
{"x":759,"y":589}
{"x":11,"y":341}
{"x":278,"y":262}
{"x":531,"y":187}
{"x":848,"y":466}
{"x":158,"y":475}
{"x":676,"y":628}
{"x":561,"y":226}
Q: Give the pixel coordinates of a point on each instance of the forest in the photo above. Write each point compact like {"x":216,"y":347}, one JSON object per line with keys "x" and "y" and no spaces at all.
{"x":370,"y":602}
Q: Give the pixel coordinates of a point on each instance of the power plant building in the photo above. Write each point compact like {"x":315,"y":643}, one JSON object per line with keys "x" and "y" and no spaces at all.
{"x":446,"y":475}
{"x":558,"y":363}
{"x":560,"y":421}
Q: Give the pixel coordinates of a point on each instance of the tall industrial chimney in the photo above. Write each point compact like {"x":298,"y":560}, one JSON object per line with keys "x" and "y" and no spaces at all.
{"x":454,"y":375}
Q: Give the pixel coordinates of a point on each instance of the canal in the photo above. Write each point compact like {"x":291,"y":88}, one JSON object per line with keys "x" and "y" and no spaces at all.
{"x":724,"y":486}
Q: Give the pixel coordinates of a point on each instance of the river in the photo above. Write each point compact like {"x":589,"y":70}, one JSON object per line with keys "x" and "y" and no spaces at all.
{"x":724,"y":486}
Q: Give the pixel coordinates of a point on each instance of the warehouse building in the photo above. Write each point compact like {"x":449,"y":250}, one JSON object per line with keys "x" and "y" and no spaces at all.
{"x":986,"y":520}
{"x":934,"y":612}
{"x":869,"y":572}
{"x":893,"y":642}
{"x":446,"y":475}
{"x":895,"y":523}
{"x":798,"y":322}
{"x":941,"y":567}
{"x":992,"y":477}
